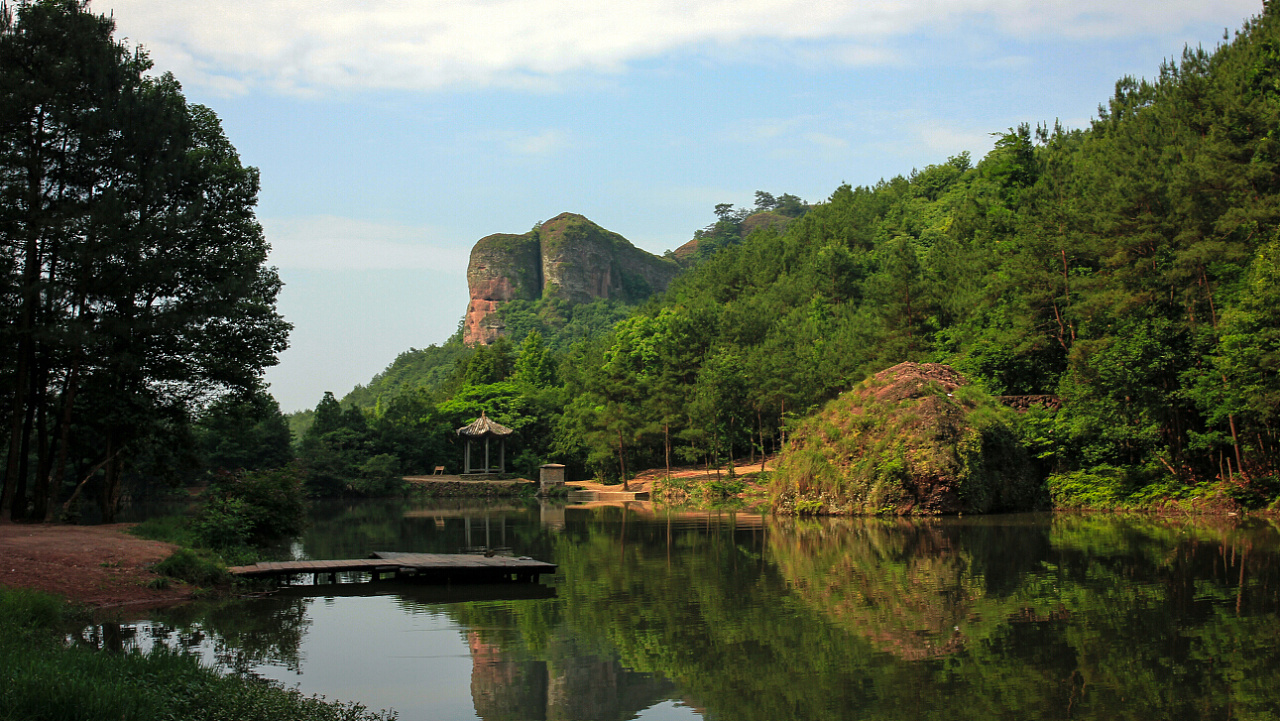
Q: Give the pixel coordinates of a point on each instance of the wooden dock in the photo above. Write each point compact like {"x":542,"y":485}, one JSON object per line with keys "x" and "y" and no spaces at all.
{"x":427,"y":567}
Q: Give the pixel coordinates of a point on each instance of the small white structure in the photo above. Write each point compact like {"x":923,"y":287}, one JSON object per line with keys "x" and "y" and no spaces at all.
{"x":552,"y":476}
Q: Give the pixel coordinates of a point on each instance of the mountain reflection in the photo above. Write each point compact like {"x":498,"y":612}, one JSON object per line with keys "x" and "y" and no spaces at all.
{"x":508,"y":687}
{"x":1006,"y":617}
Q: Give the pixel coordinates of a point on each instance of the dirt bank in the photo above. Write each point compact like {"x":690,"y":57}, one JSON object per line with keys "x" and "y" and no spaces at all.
{"x":100,"y":566}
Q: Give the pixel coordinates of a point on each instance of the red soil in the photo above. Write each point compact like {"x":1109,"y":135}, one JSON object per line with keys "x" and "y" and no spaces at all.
{"x":100,"y":566}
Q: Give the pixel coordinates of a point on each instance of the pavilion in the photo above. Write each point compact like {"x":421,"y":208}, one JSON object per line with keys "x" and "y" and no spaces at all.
{"x":484,"y":428}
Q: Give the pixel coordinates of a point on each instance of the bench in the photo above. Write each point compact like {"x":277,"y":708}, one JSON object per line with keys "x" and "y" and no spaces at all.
{"x":439,"y":471}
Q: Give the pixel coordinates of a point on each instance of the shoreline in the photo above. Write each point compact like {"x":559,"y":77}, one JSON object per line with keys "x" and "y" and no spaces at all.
{"x":101,"y":567}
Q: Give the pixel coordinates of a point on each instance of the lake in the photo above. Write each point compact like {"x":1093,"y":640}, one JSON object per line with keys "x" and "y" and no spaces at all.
{"x":659,"y":614}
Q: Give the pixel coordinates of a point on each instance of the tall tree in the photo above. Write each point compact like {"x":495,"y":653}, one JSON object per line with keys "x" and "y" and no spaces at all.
{"x":134,"y":259}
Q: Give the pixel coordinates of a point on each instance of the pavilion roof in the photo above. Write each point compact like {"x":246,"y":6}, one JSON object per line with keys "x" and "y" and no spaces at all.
{"x":483,"y":426}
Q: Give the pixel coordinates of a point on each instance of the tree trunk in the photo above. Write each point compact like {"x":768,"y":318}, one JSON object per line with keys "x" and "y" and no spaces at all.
{"x":44,"y":463}
{"x":110,"y":497}
{"x":18,"y":512}
{"x":760,"y":428}
{"x":12,"y":497}
{"x":622,"y":461}
{"x":64,"y":440}
{"x":782,"y":425}
{"x":66,"y":505}
{"x":666,"y":442}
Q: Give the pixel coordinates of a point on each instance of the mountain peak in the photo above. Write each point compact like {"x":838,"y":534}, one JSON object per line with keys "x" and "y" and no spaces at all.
{"x":567,"y":257}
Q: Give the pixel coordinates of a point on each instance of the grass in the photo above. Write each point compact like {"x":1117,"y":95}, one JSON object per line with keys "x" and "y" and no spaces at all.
{"x":44,"y":679}
{"x":193,"y":563}
{"x":177,"y":530}
{"x":197,"y":567}
{"x":700,"y":493}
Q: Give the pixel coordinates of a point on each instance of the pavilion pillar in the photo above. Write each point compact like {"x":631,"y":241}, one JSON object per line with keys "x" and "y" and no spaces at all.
{"x":502,"y":456}
{"x":486,"y":454}
{"x":467,"y":464}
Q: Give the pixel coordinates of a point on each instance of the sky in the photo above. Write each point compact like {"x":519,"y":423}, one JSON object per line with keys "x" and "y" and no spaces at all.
{"x":393,"y":134}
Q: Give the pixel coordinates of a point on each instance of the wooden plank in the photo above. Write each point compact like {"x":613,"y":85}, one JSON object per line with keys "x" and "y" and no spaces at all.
{"x":384,"y":562}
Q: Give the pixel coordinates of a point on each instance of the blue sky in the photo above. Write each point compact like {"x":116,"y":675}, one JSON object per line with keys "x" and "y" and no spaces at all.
{"x":393,"y":134}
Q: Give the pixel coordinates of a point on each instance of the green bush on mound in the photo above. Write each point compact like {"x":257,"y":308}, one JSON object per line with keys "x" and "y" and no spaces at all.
{"x":914,"y":439}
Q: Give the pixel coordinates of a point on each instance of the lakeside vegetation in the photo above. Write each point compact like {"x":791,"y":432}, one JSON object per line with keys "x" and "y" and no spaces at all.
{"x":132,"y":269}
{"x":1130,"y":270}
{"x":1093,"y":616}
{"x":44,"y":677}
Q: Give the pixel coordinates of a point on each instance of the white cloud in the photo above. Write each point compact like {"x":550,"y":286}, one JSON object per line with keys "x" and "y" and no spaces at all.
{"x":936,"y":136}
{"x":766,"y":129}
{"x":827,"y":142}
{"x":344,"y":244}
{"x":543,"y":143}
{"x":318,"y":45}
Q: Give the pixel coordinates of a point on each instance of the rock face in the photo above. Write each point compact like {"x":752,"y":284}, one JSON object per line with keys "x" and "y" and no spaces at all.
{"x":567,"y":257}
{"x":916,"y":438}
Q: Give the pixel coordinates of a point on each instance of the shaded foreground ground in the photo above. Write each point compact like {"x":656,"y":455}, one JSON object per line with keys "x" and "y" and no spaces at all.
{"x":101,"y":566}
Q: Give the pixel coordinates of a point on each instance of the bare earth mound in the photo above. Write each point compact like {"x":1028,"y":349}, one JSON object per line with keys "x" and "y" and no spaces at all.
{"x":101,"y":566}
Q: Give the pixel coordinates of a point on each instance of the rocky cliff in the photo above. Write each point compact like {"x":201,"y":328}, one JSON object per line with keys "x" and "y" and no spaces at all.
{"x":567,"y":257}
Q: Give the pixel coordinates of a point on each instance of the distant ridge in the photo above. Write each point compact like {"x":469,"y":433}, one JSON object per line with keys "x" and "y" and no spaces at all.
{"x":568,"y":258}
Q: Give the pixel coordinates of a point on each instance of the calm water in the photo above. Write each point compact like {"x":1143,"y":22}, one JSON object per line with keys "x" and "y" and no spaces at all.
{"x":719,"y":616}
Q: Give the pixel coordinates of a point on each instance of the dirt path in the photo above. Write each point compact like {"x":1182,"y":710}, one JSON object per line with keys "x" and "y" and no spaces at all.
{"x":643,"y":481}
{"x":101,"y":566}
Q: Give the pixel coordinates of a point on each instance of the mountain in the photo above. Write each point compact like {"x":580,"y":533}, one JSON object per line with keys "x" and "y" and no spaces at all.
{"x":567,"y":258}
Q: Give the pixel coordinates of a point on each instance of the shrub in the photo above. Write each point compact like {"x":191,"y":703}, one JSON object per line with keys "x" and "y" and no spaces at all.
{"x":254,"y":507}
{"x":1099,"y":487}
{"x":379,"y":476}
{"x":225,"y":523}
{"x":195,"y":567}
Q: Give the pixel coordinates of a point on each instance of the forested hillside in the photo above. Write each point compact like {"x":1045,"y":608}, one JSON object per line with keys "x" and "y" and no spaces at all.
{"x":1132,"y":269}
{"x":1129,"y":268}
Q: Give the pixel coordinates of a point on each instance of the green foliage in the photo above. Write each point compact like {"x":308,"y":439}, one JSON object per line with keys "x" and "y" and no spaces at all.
{"x":488,"y":364}
{"x":428,"y":368}
{"x":379,"y":476}
{"x":535,"y":366}
{"x":174,"y":529}
{"x":199,"y":568}
{"x":300,"y":422}
{"x":136,"y":282}
{"x":1100,"y":487}
{"x":244,"y":433}
{"x":1127,"y":270}
{"x":891,"y":446}
{"x":251,"y":508}
{"x":25,"y":610}
{"x":42,"y":678}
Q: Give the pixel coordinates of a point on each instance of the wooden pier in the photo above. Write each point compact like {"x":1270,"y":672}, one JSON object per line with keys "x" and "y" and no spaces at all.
{"x":427,"y":567}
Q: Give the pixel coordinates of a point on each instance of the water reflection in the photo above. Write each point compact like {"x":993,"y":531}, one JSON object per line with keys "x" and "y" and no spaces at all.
{"x":735,"y":616}
{"x":571,"y":684}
